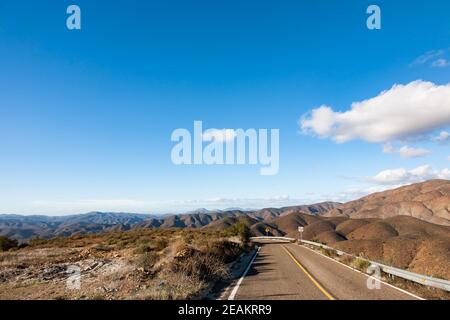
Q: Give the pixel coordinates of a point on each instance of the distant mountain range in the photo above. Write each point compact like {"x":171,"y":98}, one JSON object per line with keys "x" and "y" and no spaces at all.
{"x":428,"y":201}
{"x":25,"y":227}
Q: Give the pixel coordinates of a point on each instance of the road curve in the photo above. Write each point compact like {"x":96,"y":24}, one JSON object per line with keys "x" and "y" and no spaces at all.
{"x":293,"y":272}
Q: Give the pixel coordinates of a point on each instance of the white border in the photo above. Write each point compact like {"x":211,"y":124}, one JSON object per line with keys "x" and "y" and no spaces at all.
{"x":236,"y":287}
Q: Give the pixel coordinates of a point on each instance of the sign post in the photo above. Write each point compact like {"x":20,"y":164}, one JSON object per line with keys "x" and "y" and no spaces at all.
{"x":300,"y":230}
{"x":267,"y":231}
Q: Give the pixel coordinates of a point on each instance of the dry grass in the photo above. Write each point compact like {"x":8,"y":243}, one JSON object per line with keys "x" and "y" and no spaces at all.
{"x":360,"y":264}
{"x":136,"y":264}
{"x":328,"y":252}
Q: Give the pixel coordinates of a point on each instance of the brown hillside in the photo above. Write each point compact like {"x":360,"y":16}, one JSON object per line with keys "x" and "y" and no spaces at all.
{"x":411,"y":226}
{"x":229,"y":221}
{"x":316,"y":209}
{"x":375,"y":230}
{"x":428,"y":201}
{"x":313,"y":230}
{"x":289,"y":223}
{"x":349,"y":226}
{"x":439,"y":252}
{"x":329,"y":237}
{"x":400,"y":241}
{"x":259,"y":229}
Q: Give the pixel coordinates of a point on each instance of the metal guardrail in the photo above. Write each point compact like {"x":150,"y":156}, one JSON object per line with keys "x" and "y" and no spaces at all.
{"x":416,"y":277}
{"x":273,"y":238}
{"x":320,"y":245}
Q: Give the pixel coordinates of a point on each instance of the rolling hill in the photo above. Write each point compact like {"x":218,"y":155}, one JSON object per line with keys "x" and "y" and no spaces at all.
{"x":26,"y":227}
{"x":23,"y":228}
{"x":428,"y":201}
{"x":402,"y":241}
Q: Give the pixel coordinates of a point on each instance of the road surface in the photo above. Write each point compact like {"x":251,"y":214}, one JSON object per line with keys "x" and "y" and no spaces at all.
{"x":292,"y":272}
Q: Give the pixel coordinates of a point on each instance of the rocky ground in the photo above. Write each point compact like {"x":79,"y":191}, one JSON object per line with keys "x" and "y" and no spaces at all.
{"x":139,"y":264}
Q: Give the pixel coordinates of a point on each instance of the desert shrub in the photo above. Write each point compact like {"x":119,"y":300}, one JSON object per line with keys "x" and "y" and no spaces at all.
{"x":188,"y":237}
{"x":346,"y":259}
{"x":23,"y":245}
{"x":179,"y":246}
{"x":147,"y":260}
{"x":7,"y":244}
{"x":174,"y":286}
{"x":143,"y":248}
{"x":101,"y":247}
{"x":240,"y":229}
{"x":200,"y":265}
{"x":111,"y":242}
{"x":37,"y":241}
{"x":225,"y":250}
{"x":361,"y":264}
{"x":160,"y":244}
{"x":327,"y":252}
{"x":147,"y":245}
{"x":121,"y":243}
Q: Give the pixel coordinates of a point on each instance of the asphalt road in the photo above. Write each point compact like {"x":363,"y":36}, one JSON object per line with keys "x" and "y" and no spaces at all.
{"x":292,"y":272}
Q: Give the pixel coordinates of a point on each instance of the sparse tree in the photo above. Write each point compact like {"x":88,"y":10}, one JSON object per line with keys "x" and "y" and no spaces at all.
{"x":7,"y":243}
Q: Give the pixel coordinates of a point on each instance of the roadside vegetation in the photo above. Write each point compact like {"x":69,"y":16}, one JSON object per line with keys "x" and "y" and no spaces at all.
{"x":135,"y":264}
{"x":240,"y":229}
{"x":360,"y":264}
{"x":7,"y":244}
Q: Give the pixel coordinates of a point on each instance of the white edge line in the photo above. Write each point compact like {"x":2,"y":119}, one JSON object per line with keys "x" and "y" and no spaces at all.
{"x":388,"y":284}
{"x":236,"y":287}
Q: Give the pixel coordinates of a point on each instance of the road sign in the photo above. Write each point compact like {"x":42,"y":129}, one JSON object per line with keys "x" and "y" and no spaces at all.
{"x":300,"y":230}
{"x":267,"y":229}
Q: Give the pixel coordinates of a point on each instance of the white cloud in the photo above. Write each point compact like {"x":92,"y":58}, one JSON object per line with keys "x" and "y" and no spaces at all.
{"x":443,"y":137}
{"x":403,"y":176}
{"x":388,"y":148}
{"x":428,"y":56}
{"x":221,"y":135}
{"x":406,"y":151}
{"x":404,"y":111}
{"x":434,"y":58}
{"x":357,"y":192}
{"x":440,"y":63}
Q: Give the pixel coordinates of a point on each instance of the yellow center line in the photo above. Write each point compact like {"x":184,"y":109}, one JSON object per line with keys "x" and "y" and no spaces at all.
{"x":316,"y":283}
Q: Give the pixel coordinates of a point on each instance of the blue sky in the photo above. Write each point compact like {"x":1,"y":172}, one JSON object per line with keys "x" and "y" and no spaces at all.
{"x":86,"y":116}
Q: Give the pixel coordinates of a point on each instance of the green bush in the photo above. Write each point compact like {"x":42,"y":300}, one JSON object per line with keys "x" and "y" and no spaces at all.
{"x":7,"y":244}
{"x":361,"y":264}
{"x":240,"y":229}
